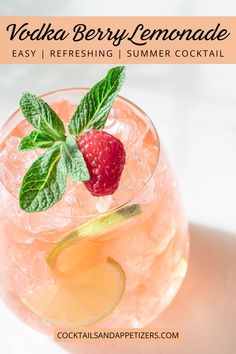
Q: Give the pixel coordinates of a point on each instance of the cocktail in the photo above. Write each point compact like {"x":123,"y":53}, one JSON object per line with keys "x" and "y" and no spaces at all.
{"x":111,"y":250}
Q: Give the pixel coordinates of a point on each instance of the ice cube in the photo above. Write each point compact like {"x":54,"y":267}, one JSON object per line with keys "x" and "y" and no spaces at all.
{"x":14,"y":164}
{"x":77,"y":201}
{"x":103,"y":204}
{"x":137,"y":171}
{"x":125,"y":127}
{"x":43,"y":226}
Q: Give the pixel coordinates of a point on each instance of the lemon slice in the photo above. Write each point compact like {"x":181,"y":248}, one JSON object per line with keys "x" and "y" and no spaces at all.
{"x":91,"y":296}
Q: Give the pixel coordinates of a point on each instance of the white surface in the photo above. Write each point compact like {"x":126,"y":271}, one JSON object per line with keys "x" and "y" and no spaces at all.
{"x":194,"y":108}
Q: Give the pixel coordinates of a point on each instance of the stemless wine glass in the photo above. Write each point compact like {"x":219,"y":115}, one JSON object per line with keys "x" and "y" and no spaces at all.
{"x":148,"y":242}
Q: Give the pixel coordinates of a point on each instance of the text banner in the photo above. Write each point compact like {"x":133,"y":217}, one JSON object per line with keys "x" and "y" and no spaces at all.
{"x":128,"y":40}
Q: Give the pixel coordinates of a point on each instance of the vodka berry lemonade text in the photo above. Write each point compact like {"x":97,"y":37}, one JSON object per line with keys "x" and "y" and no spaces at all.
{"x":92,"y":229}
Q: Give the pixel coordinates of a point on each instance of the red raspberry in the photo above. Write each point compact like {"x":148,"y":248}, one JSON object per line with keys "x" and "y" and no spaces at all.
{"x":104,"y":155}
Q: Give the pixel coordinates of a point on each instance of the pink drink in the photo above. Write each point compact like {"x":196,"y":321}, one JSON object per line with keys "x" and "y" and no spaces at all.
{"x":152,"y":247}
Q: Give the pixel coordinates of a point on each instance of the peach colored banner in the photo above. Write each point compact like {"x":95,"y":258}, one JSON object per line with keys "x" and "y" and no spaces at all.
{"x":115,"y":334}
{"x":133,"y":40}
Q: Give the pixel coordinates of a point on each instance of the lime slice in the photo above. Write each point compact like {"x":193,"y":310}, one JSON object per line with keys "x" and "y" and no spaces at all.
{"x":91,"y":296}
{"x":63,"y":249}
{"x":87,"y":286}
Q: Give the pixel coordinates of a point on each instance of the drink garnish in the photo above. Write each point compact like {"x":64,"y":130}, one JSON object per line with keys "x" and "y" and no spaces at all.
{"x":104,"y":155}
{"x":89,"y":296}
{"x":45,"y":182}
{"x":91,"y":229}
{"x":73,"y":159}
{"x":88,"y":285}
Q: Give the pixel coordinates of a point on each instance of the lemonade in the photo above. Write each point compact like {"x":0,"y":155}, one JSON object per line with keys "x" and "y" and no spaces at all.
{"x":110,"y":261}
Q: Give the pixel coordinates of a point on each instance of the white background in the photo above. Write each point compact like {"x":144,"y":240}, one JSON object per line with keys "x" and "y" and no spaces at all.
{"x":194,"y":109}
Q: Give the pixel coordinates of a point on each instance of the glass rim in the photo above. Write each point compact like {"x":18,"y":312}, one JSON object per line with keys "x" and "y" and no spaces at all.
{"x":136,"y":194}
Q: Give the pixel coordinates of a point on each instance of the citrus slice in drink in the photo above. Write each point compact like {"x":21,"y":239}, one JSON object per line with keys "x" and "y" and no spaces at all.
{"x":87,"y":286}
{"x":70,"y":253}
{"x":86,"y":299}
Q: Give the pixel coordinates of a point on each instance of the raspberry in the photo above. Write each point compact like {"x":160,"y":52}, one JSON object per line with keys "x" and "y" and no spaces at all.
{"x":104,"y":155}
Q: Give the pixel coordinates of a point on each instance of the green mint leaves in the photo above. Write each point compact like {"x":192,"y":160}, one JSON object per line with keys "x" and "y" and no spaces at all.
{"x":45,"y":182}
{"x":74,"y":161}
{"x":95,"y":106}
{"x":41,"y":116}
{"x":36,"y":139}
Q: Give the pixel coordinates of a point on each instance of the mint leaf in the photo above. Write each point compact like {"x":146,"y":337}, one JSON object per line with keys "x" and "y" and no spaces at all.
{"x":44,"y":183}
{"x":34,"y":140}
{"x":95,"y":106}
{"x":39,"y":114}
{"x":74,"y":161}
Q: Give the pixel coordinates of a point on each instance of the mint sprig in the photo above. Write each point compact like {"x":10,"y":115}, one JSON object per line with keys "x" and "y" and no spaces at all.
{"x":74,"y":161}
{"x":45,"y":182}
{"x":95,"y":106}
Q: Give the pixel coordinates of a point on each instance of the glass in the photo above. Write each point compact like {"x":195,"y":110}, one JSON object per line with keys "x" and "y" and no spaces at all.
{"x":152,"y":247}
